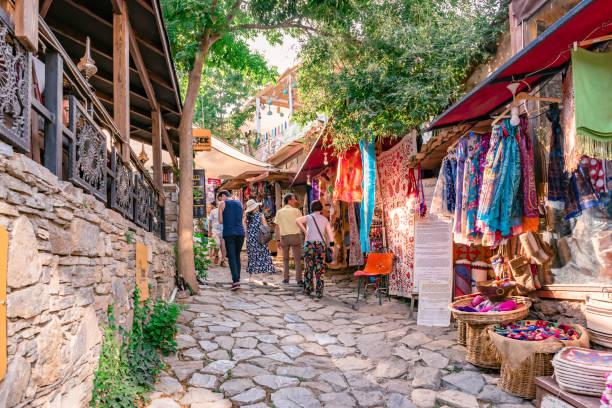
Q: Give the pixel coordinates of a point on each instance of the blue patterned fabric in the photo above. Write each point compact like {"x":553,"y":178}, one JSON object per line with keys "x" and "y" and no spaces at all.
{"x":368,"y":185}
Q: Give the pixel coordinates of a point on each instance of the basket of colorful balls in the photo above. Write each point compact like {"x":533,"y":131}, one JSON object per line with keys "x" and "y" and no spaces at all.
{"x":526,"y":349}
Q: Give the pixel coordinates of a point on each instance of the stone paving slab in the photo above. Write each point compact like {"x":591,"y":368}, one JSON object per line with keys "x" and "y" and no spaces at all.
{"x":268,"y":345}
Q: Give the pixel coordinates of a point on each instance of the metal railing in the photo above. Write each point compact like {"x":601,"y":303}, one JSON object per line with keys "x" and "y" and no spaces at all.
{"x":68,"y":130}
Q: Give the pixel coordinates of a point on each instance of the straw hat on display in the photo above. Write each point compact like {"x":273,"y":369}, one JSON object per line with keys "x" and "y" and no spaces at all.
{"x":252,"y":205}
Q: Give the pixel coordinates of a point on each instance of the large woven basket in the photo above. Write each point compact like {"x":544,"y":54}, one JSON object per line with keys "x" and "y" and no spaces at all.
{"x":480,"y":350}
{"x":519,"y":380}
{"x":491,"y":317}
{"x":461,"y":324}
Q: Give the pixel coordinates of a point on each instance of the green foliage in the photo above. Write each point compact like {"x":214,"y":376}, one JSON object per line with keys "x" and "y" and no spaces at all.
{"x":161,"y":328}
{"x":201,"y":247}
{"x":129,"y":237}
{"x":396,"y":65}
{"x":129,"y":361}
{"x":113,"y":384}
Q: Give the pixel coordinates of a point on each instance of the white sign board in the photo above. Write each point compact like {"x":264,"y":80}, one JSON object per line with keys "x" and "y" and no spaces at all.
{"x":433,"y":244}
{"x":434,"y":297}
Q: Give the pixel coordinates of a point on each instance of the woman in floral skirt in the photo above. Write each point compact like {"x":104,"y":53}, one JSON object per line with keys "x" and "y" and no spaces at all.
{"x":318,"y":235}
{"x":259,"y":259}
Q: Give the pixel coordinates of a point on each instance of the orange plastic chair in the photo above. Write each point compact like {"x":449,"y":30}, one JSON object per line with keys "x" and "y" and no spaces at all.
{"x":378,"y":265}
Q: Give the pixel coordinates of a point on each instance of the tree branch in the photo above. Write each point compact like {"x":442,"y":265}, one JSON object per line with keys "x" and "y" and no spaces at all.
{"x":233,"y":10}
{"x":284,"y":24}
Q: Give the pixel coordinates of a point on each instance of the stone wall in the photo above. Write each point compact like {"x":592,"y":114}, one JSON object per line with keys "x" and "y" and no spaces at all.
{"x":69,"y":258}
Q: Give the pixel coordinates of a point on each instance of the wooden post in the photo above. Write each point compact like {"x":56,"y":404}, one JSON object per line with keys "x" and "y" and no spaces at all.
{"x":26,"y":23}
{"x":121,"y":79}
{"x":54,"y":72}
{"x":156,"y":133}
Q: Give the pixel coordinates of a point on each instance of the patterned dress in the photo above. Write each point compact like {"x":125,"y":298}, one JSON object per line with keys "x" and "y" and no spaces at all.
{"x":259,"y":259}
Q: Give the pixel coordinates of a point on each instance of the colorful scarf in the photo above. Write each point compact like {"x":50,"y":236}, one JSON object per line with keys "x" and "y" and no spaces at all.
{"x":439,"y":203}
{"x":475,"y":168}
{"x":450,"y":173}
{"x":557,"y":178}
{"x":355,"y":253}
{"x":349,"y":177}
{"x":531,"y":214}
{"x":500,"y":209}
{"x":368,"y":164}
{"x":461,"y":154}
{"x":463,"y":274}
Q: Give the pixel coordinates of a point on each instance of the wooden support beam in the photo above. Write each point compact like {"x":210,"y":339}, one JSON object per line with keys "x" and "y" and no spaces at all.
{"x":118,"y":6}
{"x":143,"y":72}
{"x":156,"y":133}
{"x":121,"y":79}
{"x":26,"y":23}
{"x":44,"y":9}
{"x":169,"y":146}
{"x":54,"y":75}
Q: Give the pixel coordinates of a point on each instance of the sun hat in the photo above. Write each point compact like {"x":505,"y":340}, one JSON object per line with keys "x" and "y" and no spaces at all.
{"x":252,"y":205}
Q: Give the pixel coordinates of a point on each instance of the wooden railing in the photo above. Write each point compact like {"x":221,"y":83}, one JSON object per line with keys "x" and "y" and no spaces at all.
{"x":68,"y":130}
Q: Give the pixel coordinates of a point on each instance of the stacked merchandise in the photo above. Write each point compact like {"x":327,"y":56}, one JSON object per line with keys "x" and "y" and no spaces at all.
{"x":598,"y":313}
{"x":582,"y":371}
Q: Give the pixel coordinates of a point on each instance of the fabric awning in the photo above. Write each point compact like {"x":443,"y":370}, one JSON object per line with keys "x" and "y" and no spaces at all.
{"x":315,"y":161}
{"x":226,"y":162}
{"x":545,"y":56}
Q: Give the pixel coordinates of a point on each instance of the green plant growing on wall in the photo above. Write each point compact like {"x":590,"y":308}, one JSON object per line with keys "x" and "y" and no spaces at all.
{"x":201,"y":247}
{"x":129,"y":237}
{"x":129,"y":361}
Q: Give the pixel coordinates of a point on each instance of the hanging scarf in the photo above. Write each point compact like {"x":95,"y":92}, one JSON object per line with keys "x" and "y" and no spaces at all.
{"x":439,"y":203}
{"x":531,"y":214}
{"x":421,"y":204}
{"x":500,"y":210}
{"x":368,"y":163}
{"x":450,"y":173}
{"x":355,"y":252}
{"x":461,"y":153}
{"x":349,"y":177}
{"x":593,"y":98}
{"x":315,"y":191}
{"x":557,"y":178}
{"x":475,"y":169}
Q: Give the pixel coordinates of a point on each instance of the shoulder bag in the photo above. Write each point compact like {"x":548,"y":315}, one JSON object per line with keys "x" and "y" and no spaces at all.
{"x":328,"y":251}
{"x":265,"y":233}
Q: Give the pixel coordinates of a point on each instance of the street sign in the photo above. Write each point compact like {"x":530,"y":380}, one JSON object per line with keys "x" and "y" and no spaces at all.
{"x":202,"y":140}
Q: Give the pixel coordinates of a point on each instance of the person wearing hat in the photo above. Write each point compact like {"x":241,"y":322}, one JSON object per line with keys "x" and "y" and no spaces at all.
{"x":259,"y":259}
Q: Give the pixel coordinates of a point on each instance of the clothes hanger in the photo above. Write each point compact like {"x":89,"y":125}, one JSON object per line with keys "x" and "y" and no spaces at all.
{"x":520,"y":97}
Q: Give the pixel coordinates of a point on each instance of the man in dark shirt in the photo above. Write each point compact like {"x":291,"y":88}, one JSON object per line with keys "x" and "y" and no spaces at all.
{"x":231,"y":216}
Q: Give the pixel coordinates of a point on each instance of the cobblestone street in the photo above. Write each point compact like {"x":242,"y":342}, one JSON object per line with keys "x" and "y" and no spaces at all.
{"x":267,"y":345}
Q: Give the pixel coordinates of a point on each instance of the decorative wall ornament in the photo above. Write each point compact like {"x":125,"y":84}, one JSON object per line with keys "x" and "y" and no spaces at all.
{"x":89,"y":154}
{"x":15,"y":78}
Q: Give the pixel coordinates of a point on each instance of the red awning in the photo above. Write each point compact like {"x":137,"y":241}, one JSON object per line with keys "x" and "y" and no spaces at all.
{"x":545,"y":56}
{"x":314,"y":163}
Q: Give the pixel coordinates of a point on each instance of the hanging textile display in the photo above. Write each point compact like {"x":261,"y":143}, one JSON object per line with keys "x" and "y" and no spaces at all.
{"x":593,"y":98}
{"x":349,"y":177}
{"x":368,"y":164}
{"x":531,"y":214}
{"x":355,"y":251}
{"x":557,"y":178}
{"x":500,"y":209}
{"x":398,"y":195}
{"x":472,"y":182}
{"x":443,"y":202}
{"x":315,"y":191}
{"x":463,"y":274}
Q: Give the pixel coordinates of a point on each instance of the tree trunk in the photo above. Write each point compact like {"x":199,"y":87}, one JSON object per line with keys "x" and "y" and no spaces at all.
{"x":185,"y":218}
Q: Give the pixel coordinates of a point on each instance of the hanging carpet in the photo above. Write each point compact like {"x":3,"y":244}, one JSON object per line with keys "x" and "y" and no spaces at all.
{"x":398,"y":197}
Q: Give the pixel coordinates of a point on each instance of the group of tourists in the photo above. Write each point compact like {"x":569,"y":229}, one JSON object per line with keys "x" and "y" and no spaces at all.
{"x":309,"y":237}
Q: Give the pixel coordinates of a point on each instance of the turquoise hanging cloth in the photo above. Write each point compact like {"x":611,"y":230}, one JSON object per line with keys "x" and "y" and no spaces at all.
{"x":368,"y":186}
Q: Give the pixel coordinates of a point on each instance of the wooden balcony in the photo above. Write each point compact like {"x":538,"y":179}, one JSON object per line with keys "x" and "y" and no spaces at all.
{"x":78,"y":123}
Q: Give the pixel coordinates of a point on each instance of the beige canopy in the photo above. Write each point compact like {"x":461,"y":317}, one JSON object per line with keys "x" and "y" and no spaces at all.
{"x":226,"y":162}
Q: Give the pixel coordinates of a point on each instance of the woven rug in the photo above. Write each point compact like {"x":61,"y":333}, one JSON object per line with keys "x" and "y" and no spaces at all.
{"x":398,"y":200}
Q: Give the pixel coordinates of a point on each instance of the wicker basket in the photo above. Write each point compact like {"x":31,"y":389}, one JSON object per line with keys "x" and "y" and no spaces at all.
{"x":480,"y":350}
{"x":520,"y":380}
{"x":491,"y":317}
{"x":461,"y":324}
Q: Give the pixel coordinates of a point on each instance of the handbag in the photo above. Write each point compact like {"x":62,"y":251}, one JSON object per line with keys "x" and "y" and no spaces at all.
{"x":265,"y":234}
{"x":328,"y":251}
{"x":521,"y":272}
